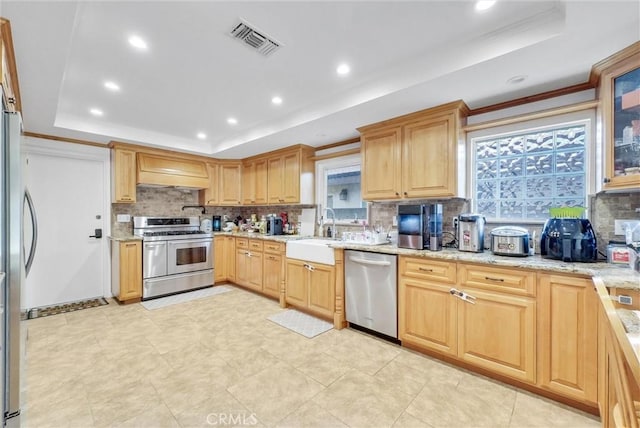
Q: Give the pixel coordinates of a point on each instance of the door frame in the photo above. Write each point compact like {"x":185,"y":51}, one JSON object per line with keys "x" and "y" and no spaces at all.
{"x":42,"y":146}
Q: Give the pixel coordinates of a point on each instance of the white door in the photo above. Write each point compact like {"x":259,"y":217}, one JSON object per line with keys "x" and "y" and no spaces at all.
{"x":69,"y":199}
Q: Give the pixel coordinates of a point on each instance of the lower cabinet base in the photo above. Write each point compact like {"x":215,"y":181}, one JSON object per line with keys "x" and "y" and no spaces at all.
{"x":129,"y":301}
{"x":588,"y":408}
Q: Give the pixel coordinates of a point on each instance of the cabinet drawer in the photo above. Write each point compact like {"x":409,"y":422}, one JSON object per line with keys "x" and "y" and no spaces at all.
{"x":255,"y":245}
{"x":273,"y":247}
{"x":504,"y":280}
{"x":242,"y":243}
{"x":420,"y":268}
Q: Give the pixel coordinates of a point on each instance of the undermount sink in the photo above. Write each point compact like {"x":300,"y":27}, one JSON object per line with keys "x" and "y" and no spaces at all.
{"x":312,"y":250}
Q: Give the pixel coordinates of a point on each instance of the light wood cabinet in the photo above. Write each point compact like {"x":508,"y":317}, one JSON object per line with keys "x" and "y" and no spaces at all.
{"x":126,"y":270}
{"x":254,"y":182}
{"x":229,"y":189}
{"x":494,"y":329}
{"x":123,"y":175}
{"x":413,"y":156}
{"x":290,"y":176}
{"x":210,"y":195}
{"x":568,"y":331}
{"x":273,"y":268}
{"x":427,"y":313}
{"x":311,"y":286}
{"x":497,"y":332}
{"x":249,"y":264}
{"x":619,"y":117}
{"x":224,"y":258}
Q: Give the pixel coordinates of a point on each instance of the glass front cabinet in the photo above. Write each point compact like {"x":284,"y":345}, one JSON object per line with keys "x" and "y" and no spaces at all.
{"x":619,"y":94}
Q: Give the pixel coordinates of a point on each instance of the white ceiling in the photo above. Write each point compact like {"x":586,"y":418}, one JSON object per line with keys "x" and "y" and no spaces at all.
{"x":404,"y":56}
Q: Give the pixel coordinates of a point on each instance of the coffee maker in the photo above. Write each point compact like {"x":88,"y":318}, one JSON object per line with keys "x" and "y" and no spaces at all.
{"x":420,"y":226}
{"x":471,"y":232}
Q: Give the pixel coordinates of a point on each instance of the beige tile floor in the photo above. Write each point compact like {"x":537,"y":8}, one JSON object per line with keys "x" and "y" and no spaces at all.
{"x":218,"y":361}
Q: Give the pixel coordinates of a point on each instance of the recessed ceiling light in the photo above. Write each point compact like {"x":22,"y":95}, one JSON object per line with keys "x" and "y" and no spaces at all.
{"x":516,"y":79}
{"x":343,"y":69}
{"x":96,"y":112}
{"x":137,"y":42}
{"x":484,"y":4}
{"x":201,"y":135}
{"x":232,"y":121}
{"x":112,"y":86}
{"x":276,"y":100}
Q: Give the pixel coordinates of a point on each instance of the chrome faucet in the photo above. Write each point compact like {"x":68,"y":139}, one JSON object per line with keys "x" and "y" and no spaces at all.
{"x":334,"y":233}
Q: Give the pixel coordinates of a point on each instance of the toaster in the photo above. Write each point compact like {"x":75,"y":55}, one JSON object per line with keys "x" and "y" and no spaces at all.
{"x":510,"y":241}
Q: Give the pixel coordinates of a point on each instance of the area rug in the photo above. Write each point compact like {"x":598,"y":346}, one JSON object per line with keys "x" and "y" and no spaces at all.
{"x":301,"y":323}
{"x":67,"y":307}
{"x":174,"y":299}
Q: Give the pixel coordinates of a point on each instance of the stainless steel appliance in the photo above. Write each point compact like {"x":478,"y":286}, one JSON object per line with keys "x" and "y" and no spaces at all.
{"x":510,"y":241}
{"x":569,"y":239}
{"x":176,"y":255}
{"x":420,"y":226}
{"x":274,"y":225}
{"x":471,"y":232}
{"x":13,"y":196}
{"x":371,"y":299}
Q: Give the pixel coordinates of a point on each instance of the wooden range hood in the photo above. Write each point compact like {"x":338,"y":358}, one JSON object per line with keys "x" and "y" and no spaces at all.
{"x":159,"y":170}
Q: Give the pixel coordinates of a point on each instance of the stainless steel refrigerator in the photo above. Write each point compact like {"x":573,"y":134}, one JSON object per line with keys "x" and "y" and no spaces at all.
{"x":12,"y":259}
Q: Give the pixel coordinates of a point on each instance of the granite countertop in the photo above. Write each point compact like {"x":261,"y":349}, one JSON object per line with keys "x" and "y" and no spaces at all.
{"x":254,"y":235}
{"x":125,"y":238}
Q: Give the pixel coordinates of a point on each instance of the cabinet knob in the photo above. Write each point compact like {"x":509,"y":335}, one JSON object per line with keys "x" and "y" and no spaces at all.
{"x":607,"y":180}
{"x":397,"y":194}
{"x":405,"y":193}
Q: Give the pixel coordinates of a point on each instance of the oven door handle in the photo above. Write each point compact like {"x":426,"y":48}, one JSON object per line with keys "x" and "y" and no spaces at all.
{"x":190,"y":242}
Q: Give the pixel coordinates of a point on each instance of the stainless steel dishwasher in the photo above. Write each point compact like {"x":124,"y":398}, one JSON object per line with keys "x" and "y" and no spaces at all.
{"x":371,"y":291}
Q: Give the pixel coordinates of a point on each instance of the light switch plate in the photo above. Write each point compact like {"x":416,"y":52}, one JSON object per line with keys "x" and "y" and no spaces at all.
{"x":123,"y":218}
{"x":620,"y":225}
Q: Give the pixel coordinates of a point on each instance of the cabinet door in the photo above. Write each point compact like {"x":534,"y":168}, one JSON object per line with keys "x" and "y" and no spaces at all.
{"x":297,"y":283}
{"x":381,"y":164}
{"x":498,"y":332}
{"x":322,"y":290}
{"x":272,"y":274}
{"x":568,"y":330}
{"x":291,"y":178}
{"x":130,"y":270}
{"x":209,"y":196}
{"x":275,"y":169}
{"x":230,"y":178}
{"x":230,"y":258}
{"x":427,"y":315}
{"x":219,"y":265}
{"x":261,"y":181}
{"x":249,"y":183}
{"x":242,"y":267}
{"x":124,"y":175}
{"x":429,"y":158}
{"x":254,"y":276}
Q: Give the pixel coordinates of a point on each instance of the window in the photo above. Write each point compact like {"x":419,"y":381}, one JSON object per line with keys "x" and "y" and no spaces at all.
{"x":338,"y":188}
{"x":520,"y":174}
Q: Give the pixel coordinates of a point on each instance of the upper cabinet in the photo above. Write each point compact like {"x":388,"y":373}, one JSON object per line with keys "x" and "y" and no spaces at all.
{"x":209,"y":196}
{"x":8,"y":74}
{"x":413,"y":156}
{"x":123,"y":175}
{"x":254,"y":182}
{"x":167,"y":170}
{"x":290,"y":176}
{"x":229,"y":183}
{"x":619,"y":112}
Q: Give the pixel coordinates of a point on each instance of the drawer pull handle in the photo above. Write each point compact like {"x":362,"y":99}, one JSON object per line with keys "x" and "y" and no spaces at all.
{"x":425,"y":269}
{"x":488,"y":278}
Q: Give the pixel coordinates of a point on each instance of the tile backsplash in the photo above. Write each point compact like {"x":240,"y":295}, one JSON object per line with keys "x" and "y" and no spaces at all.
{"x":152,"y":201}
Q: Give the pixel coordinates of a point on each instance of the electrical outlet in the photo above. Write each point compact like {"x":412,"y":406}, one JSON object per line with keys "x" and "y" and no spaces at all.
{"x":454,"y":222}
{"x":123,"y":218}
{"x":625,"y":300}
{"x":621,"y":225}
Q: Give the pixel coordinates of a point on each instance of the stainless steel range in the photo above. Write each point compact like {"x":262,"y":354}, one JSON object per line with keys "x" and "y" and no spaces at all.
{"x":176,"y":255}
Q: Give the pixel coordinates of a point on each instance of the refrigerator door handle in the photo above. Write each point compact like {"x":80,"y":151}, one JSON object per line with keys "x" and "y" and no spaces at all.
{"x":34,"y":226}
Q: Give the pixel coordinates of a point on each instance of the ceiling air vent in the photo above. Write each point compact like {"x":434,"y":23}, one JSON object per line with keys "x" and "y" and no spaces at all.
{"x":258,"y":40}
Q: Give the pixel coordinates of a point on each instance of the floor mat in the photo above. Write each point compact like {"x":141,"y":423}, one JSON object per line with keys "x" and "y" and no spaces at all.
{"x":67,"y":307}
{"x":301,"y":323}
{"x":162,"y":302}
